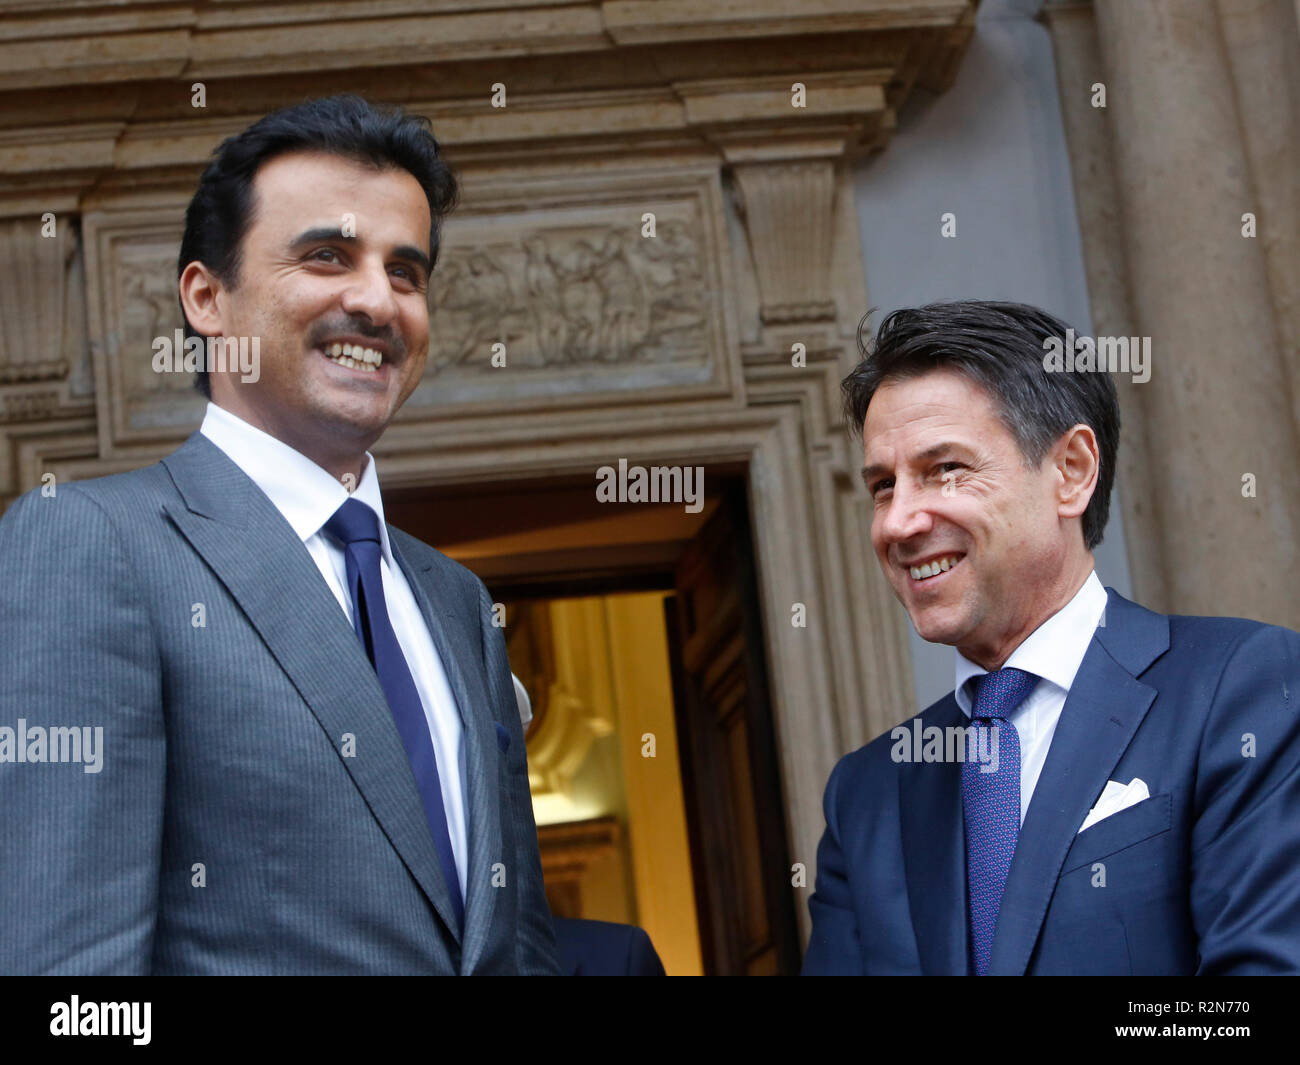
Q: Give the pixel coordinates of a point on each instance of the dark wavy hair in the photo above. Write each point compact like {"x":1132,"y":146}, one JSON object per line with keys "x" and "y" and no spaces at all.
{"x":998,"y":346}
{"x":346,"y":125}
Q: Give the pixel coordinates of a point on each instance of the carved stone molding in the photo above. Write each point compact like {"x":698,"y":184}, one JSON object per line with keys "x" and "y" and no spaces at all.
{"x":31,"y":449}
{"x":788,"y":208}
{"x":592,"y":305}
{"x":34,"y":259}
{"x":131,"y":300}
{"x":600,"y":288}
{"x":45,"y":374}
{"x":83,"y":42}
{"x":173,"y":80}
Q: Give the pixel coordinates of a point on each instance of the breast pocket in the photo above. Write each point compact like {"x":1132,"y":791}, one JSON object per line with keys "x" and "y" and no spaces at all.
{"x":1118,"y":832}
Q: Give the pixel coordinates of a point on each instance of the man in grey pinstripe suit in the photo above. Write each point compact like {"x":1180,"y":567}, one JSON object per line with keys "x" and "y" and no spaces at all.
{"x":252,"y":807}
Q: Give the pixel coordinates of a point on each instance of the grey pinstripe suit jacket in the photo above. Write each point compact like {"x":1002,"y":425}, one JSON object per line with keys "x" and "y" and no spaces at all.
{"x":232,"y":827}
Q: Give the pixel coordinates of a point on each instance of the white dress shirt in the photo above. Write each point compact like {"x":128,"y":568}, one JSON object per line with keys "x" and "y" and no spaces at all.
{"x":1054,"y":652}
{"x":308,"y":496}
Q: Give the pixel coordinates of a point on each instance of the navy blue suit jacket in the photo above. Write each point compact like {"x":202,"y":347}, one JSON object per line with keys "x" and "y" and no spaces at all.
{"x":1203,"y":877}
{"x":602,"y":948}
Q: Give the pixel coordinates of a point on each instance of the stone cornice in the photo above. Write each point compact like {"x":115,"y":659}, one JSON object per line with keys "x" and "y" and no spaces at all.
{"x":75,"y":42}
{"x":580,"y":77}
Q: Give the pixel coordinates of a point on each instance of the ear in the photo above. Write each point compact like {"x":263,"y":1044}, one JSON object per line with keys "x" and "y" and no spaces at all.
{"x":1078,"y":463}
{"x":201,"y":296}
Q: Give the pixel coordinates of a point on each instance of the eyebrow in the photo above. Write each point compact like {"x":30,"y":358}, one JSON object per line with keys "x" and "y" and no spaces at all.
{"x":929,"y":454}
{"x":322,"y":234}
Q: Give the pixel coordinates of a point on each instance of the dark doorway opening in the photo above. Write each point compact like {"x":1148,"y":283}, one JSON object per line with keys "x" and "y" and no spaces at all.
{"x":545,"y":541}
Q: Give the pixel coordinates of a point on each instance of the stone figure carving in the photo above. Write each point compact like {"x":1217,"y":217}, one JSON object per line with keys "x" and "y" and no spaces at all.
{"x":572,"y":298}
{"x":149,"y":309}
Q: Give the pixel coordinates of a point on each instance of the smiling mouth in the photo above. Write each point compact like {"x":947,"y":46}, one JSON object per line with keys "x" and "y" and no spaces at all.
{"x":933,"y":570}
{"x":355,"y":357}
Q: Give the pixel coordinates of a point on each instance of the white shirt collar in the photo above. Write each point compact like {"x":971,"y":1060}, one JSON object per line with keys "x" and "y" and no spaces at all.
{"x":1054,"y":650}
{"x":302,"y":491}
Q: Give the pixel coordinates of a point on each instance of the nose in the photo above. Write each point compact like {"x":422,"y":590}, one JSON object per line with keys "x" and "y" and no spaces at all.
{"x":370,"y":292}
{"x":904,"y":516}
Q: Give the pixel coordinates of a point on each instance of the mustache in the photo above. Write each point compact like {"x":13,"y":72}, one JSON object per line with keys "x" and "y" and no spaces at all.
{"x":384,"y":334}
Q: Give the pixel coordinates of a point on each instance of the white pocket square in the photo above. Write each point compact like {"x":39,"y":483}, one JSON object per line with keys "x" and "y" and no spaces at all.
{"x":1114,"y":798}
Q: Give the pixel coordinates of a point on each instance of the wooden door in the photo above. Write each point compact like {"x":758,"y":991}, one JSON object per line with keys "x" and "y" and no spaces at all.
{"x":730,"y":771}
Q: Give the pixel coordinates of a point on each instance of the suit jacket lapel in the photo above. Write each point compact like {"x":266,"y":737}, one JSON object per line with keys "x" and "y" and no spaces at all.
{"x":934,"y":853}
{"x":456,"y":643}
{"x":261,"y":561}
{"x":1102,"y":712}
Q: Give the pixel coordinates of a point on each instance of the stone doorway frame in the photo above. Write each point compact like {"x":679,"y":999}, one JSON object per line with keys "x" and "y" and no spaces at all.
{"x":835,"y":683}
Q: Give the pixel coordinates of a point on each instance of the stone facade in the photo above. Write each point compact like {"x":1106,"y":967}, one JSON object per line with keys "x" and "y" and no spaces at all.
{"x":730,"y":132}
{"x":656,"y":223}
{"x":1187,"y":192}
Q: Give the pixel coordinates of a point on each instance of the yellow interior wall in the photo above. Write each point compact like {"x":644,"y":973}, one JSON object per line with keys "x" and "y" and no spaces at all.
{"x":613,"y":653}
{"x":657,"y":837}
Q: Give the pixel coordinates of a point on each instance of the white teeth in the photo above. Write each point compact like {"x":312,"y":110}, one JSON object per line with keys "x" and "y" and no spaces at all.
{"x":354,"y":356}
{"x":929,"y":569}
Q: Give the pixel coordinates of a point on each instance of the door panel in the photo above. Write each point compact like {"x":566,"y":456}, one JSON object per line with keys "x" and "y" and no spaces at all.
{"x":729,"y":765}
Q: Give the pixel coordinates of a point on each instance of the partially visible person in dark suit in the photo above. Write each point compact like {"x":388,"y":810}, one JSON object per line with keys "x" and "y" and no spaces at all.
{"x":1123,"y":792}
{"x":601,"y":948}
{"x":595,"y":948}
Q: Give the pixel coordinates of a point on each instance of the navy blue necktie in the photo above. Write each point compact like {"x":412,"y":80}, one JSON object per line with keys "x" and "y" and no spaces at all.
{"x":357,"y":527}
{"x":991,"y":805}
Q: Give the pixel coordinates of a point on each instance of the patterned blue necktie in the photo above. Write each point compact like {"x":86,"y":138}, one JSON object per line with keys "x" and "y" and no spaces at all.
{"x":991,"y":805}
{"x":357,"y":526}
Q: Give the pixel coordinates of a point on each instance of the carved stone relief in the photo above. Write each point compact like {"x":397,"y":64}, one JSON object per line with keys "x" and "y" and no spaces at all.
{"x":573,"y":297}
{"x":131,"y":300}
{"x":587,"y":301}
{"x":44,"y":360}
{"x":146,"y":294}
{"x":577,"y":302}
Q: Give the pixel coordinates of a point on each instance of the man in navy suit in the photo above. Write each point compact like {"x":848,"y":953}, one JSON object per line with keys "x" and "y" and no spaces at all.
{"x":1107,"y":790}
